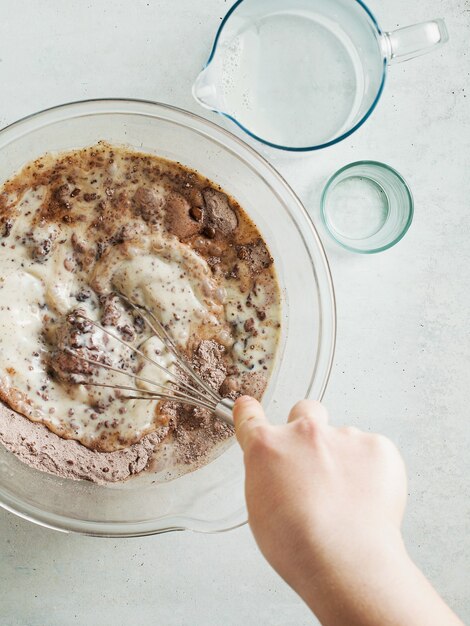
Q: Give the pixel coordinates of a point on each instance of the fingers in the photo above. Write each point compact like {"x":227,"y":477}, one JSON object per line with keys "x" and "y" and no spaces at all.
{"x":248,"y":414}
{"x":311,"y":409}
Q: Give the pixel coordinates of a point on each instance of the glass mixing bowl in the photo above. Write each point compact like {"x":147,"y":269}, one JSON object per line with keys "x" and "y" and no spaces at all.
{"x":209,"y":499}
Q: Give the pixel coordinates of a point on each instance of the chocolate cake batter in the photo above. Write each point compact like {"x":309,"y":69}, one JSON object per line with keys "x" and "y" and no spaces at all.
{"x":76,"y":228}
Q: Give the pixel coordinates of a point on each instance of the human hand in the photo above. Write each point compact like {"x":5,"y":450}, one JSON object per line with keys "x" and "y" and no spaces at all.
{"x":325,"y":505}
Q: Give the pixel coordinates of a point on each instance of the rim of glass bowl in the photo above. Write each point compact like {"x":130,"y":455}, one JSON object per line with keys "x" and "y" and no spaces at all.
{"x":378,"y":32}
{"x":271,"y":177}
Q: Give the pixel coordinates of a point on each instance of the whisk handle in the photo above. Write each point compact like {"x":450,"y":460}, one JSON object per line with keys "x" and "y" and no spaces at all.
{"x":224,"y":411}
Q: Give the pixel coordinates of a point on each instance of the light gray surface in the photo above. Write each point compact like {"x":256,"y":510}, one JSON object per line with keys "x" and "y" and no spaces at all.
{"x":401,"y":366}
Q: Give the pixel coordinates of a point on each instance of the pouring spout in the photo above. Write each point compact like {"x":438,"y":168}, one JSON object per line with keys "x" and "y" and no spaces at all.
{"x":205,"y":90}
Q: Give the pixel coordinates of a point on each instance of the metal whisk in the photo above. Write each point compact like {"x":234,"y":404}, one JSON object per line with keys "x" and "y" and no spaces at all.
{"x":196,"y":392}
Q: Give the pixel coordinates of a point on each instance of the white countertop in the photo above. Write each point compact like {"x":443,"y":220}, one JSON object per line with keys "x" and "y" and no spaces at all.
{"x":401,"y":365}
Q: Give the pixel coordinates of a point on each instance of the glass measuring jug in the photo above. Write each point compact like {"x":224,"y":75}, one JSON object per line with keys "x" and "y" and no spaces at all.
{"x":304,"y":74}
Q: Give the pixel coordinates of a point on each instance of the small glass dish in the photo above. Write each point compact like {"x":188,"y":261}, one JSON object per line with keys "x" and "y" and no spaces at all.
{"x":367,"y":207}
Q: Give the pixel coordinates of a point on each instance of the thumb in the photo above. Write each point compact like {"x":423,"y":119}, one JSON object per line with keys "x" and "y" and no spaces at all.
{"x":247,"y":415}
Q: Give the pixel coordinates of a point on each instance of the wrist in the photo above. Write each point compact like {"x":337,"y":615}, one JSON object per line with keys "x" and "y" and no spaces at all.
{"x":357,"y":564}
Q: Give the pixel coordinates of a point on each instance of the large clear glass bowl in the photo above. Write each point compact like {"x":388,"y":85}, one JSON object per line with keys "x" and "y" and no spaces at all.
{"x":209,"y":499}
